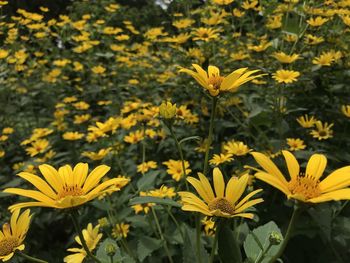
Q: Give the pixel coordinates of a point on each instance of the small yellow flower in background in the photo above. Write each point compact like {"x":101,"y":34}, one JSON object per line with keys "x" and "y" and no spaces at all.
{"x":236,"y":148}
{"x":286,"y":76}
{"x":224,"y":203}
{"x":92,"y":237}
{"x":313,"y":40}
{"x":162,"y":192}
{"x":325,"y":59}
{"x":120,"y":230}
{"x":175,"y":169}
{"x":134,"y":137}
{"x":216,"y":84}
{"x":295,"y":144}
{"x":306,"y":121}
{"x":8,"y":130}
{"x":209,"y":226}
{"x":221,"y":158}
{"x":79,"y":119}
{"x":103,"y":222}
{"x":98,"y":69}
{"x":317,"y":21}
{"x":3,"y":53}
{"x":66,"y":187}
{"x":205,"y":34}
{"x":72,"y":136}
{"x":183,"y":23}
{"x":284,"y":58}
{"x":2,"y":153}
{"x":13,"y":234}
{"x":345,"y":109}
{"x":38,"y":146}
{"x":222,"y":2}
{"x":167,"y":110}
{"x":305,"y":187}
{"x":238,"y":13}
{"x":95,"y":156}
{"x":323,"y":131}
{"x":145,"y":166}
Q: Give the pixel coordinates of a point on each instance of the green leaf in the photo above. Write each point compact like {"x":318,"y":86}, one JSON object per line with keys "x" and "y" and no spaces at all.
{"x":102,"y":251}
{"x":189,"y":247}
{"x":147,"y":180}
{"x":151,"y":199}
{"x":197,"y":138}
{"x":146,"y":245}
{"x":258,"y":241}
{"x":228,"y":247}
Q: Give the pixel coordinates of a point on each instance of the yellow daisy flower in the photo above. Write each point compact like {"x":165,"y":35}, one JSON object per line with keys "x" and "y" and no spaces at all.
{"x":216,"y":84}
{"x":221,"y":158}
{"x":284,"y":58}
{"x":66,"y":187}
{"x":285,"y":76}
{"x":306,"y":121}
{"x":224,"y":202}
{"x":305,"y":187}
{"x":13,"y":234}
{"x":323,"y":131}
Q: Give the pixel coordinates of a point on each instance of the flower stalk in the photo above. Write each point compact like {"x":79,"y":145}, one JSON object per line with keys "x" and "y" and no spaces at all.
{"x":30,"y":258}
{"x":210,"y":134}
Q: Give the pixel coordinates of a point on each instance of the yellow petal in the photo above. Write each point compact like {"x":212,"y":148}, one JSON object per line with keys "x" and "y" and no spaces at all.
{"x":268,"y":166}
{"x":245,"y":215}
{"x":231,"y":78}
{"x":206,"y":185}
{"x":249,"y":204}
{"x":79,"y":173}
{"x":199,"y":188}
{"x":292,"y":164}
{"x":95,"y":177}
{"x":28,"y":204}
{"x":195,"y":208}
{"x":219,"y":183}
{"x":273,"y":181}
{"x":338,"y":179}
{"x":213,"y":71}
{"x":66,"y":173}
{"x":239,"y":188}
{"x":39,"y":196}
{"x":247,"y":197}
{"x":231,"y":188}
{"x":51,"y":176}
{"x":13,"y":222}
{"x":39,"y":183}
{"x":202,"y":73}
{"x":342,"y":194}
{"x":316,"y":165}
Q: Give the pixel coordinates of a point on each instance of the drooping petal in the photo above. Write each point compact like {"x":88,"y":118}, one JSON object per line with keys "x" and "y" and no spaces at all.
{"x":195,"y":208}
{"x":14,"y":207}
{"x":273,"y":181}
{"x":342,"y":194}
{"x":249,"y":204}
{"x":269,"y":166}
{"x":245,"y":215}
{"x":338,"y":179}
{"x":292,"y":164}
{"x":316,"y":165}
{"x":247,"y":197}
{"x":231,"y":78}
{"x":219,"y":183}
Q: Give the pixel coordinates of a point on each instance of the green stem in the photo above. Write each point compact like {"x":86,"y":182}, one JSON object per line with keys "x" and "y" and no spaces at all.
{"x":262,"y":255}
{"x":161,"y":235}
{"x":74,"y":216}
{"x":175,"y":221}
{"x":210,"y":135}
{"x":292,"y":222}
{"x":215,"y":242}
{"x":198,"y":238}
{"x":29,"y":258}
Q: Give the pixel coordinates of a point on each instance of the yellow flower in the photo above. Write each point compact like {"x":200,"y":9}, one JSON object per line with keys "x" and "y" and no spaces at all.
{"x":183,"y":23}
{"x":205,"y":34}
{"x":224,"y":203}
{"x":209,"y":226}
{"x":167,"y":110}
{"x":236,"y":148}
{"x":37,"y":147}
{"x":3,"y":53}
{"x":222,"y":2}
{"x":313,"y":40}
{"x":284,"y":58}
{"x":221,"y":158}
{"x":13,"y":234}
{"x":98,"y":69}
{"x":95,"y":156}
{"x":175,"y":169}
{"x":306,"y":122}
{"x":318,"y":21}
{"x":325,"y":59}
{"x":120,"y":230}
{"x":92,"y":237}
{"x":345,"y":109}
{"x":134,"y":137}
{"x":66,"y":187}
{"x":145,"y":166}
{"x":72,"y":136}
{"x":214,"y":83}
{"x":285,"y":76}
{"x":323,"y":131}
{"x":305,"y":187}
{"x":295,"y":144}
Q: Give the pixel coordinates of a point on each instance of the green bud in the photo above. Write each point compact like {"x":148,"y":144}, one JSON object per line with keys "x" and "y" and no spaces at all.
{"x":110,"y":249}
{"x":167,"y":110}
{"x":275,"y":238}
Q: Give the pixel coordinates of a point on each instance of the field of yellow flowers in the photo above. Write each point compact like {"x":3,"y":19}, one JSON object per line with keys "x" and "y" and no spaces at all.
{"x":175,"y":131}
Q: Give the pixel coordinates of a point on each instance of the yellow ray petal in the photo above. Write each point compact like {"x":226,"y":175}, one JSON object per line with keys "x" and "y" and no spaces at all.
{"x":316,"y":165}
{"x":201,"y":72}
{"x":13,"y":222}
{"x":95,"y":177}
{"x":194,"y":208}
{"x":249,"y":204}
{"x":39,"y":196}
{"x":196,"y":76}
{"x":14,"y":207}
{"x":245,"y":215}
{"x":66,"y":173}
{"x":342,"y":194}
{"x":231,"y":78}
{"x":190,"y":198}
{"x":104,"y":185}
{"x":268,"y":166}
{"x":51,"y":176}
{"x":39,"y":183}
{"x":79,"y":173}
{"x":219,"y":183}
{"x":247,"y":197}
{"x":273,"y":181}
{"x":240,"y":188}
{"x":231,"y":188}
{"x":199,"y":188}
{"x":206,"y":186}
{"x":213,"y":71}
{"x":338,"y":179}
{"x":292,"y":164}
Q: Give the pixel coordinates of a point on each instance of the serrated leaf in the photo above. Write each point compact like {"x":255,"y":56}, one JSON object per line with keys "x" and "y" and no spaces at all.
{"x":151,"y":199}
{"x":146,"y":245}
{"x":258,"y":240}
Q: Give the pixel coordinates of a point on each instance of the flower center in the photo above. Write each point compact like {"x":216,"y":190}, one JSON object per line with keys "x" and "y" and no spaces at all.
{"x":305,"y":185}
{"x":215,"y":81}
{"x":70,"y":190}
{"x":222,"y":204}
{"x":7,"y":245}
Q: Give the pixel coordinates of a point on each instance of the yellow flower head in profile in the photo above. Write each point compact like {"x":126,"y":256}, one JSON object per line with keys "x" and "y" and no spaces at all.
{"x":222,"y":2}
{"x":13,"y":234}
{"x":224,"y":203}
{"x":92,"y":237}
{"x":305,"y":186}
{"x":286,"y":76}
{"x":306,"y":121}
{"x":167,"y":110}
{"x":284,"y":58}
{"x":65,"y":187}
{"x":317,"y":21}
{"x":216,"y":84}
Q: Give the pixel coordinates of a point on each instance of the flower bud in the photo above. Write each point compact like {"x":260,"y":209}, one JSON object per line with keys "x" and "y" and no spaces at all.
{"x":275,"y":238}
{"x":110,"y":249}
{"x":167,"y":110}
